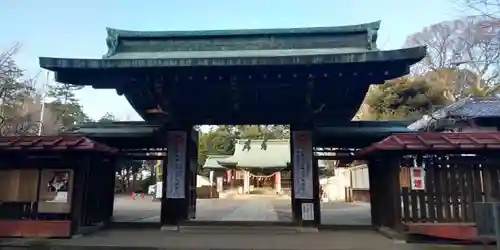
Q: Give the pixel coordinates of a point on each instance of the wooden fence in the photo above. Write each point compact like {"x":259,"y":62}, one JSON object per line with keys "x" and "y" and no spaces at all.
{"x":451,"y":190}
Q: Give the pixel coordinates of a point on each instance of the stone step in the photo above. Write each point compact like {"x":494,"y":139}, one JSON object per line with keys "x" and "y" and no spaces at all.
{"x":239,"y":229}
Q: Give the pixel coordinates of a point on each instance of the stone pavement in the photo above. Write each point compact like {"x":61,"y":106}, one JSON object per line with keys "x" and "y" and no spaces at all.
{"x":146,"y":239}
{"x":253,"y":210}
{"x":244,"y":208}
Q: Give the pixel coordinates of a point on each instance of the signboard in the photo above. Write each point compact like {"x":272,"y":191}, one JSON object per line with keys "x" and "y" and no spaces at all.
{"x":307,"y":211}
{"x":302,"y":163}
{"x":55,"y":191}
{"x":159,"y":189}
{"x":417,"y":178}
{"x":404,"y":177}
{"x":176,"y":165}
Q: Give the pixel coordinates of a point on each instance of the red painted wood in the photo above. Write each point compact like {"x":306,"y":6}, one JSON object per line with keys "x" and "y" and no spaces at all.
{"x":10,"y":228}
{"x":452,"y":231}
{"x":46,"y":229}
{"x":446,"y":141}
{"x":32,"y":229}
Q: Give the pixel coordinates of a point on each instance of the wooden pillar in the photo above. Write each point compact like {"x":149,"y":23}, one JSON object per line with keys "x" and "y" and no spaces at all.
{"x":305,"y":179}
{"x":232,"y":179}
{"x":491,"y":182}
{"x":101,"y":193}
{"x":192,"y":174}
{"x":385,"y":192}
{"x":87,"y":206}
{"x":229,"y":177}
{"x":110,"y":181}
{"x":175,"y":194}
{"x":93,"y":194}
{"x":392,"y":192}
{"x":77,"y":193}
{"x":376,"y":191}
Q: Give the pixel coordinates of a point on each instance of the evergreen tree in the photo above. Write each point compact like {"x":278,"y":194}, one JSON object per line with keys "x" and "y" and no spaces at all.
{"x":404,"y":98}
{"x":65,"y":107}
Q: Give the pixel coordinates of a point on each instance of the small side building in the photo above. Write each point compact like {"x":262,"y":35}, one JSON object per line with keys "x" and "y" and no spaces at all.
{"x":54,"y":186}
{"x":212,"y":164}
{"x":466,"y":115}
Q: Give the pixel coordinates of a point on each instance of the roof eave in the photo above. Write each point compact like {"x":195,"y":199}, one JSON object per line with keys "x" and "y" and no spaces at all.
{"x":409,"y":55}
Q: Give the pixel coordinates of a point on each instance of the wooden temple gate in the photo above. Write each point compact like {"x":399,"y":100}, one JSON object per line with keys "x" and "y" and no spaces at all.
{"x":427,"y":183}
{"x":421,"y":183}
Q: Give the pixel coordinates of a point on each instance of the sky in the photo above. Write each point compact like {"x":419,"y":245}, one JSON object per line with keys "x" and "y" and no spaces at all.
{"x":76,"y":29}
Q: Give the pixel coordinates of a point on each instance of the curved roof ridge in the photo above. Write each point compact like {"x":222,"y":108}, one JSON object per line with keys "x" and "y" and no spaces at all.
{"x":365,"y":27}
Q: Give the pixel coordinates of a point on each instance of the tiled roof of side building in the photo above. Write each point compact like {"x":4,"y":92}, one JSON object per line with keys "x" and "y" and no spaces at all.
{"x":467,"y":108}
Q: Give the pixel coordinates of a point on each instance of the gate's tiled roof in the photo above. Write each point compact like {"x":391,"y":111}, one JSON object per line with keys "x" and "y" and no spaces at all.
{"x":446,"y":141}
{"x":52,"y":143}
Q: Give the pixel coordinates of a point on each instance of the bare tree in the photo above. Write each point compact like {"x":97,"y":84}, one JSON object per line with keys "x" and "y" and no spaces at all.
{"x":19,"y":104}
{"x":469,"y":43}
{"x":489,"y":9}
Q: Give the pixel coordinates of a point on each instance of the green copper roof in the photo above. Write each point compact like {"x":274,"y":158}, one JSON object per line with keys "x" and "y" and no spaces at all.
{"x":238,"y":58}
{"x":112,"y":33}
{"x":236,"y":53}
{"x":123,"y":41}
{"x":276,"y":155}
{"x":212,"y":161}
{"x":290,"y":46}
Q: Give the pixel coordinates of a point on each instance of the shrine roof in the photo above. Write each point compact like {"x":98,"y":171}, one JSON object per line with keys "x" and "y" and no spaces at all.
{"x":437,"y":142}
{"x":291,"y":46}
{"x":117,"y":33}
{"x":275,"y":155}
{"x":212,"y":161}
{"x":52,"y":143}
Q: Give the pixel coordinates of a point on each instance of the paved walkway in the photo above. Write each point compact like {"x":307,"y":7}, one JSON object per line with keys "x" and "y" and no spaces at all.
{"x":243,"y":208}
{"x":254,"y":210}
{"x":155,"y":239}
